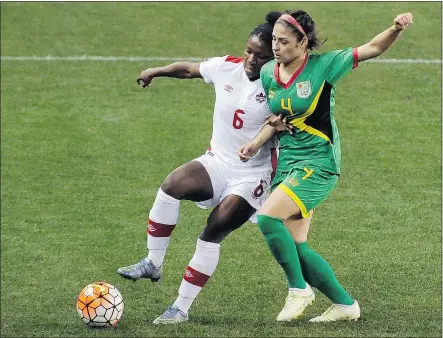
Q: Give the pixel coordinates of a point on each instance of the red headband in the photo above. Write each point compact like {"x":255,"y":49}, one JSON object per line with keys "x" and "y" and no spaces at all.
{"x":292,"y":21}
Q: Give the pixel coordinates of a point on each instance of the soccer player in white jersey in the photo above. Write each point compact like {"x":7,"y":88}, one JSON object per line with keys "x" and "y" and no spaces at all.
{"x":218,"y":178}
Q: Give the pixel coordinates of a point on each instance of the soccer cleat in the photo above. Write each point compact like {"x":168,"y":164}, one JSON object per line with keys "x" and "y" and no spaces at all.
{"x":143,"y":269}
{"x":338,"y":312}
{"x":173,"y":315}
{"x":296,"y":303}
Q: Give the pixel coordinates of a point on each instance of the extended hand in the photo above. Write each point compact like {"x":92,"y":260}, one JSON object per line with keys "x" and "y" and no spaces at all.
{"x":146,"y":77}
{"x":280,"y":123}
{"x":402,"y":21}
{"x":246,"y":151}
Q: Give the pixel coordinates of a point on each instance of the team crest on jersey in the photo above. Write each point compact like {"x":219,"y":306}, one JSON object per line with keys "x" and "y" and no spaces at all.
{"x":304,"y":89}
{"x":260,"y":98}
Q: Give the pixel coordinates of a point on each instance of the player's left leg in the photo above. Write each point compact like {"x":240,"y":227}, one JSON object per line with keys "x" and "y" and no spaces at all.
{"x":229,"y":215}
{"x":319,"y":274}
{"x":193,"y":181}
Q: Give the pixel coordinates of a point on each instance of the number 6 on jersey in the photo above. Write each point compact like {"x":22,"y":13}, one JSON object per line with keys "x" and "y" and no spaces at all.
{"x":237,"y":122}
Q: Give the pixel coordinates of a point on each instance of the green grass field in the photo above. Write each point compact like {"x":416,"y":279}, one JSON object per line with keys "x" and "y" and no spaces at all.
{"x":84,"y":150}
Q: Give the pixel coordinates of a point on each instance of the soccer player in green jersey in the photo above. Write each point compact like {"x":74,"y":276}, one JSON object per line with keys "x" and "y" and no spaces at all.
{"x":300,"y":91}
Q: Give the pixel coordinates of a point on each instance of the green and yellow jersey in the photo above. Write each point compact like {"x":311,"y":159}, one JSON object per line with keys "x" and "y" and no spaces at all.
{"x":307,"y":99}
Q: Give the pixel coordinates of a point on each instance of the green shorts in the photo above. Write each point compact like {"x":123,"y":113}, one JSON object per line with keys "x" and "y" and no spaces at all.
{"x":308,"y":186}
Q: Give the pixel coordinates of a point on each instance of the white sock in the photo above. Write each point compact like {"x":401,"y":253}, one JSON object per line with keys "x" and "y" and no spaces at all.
{"x":200,"y":268}
{"x":162,"y":220}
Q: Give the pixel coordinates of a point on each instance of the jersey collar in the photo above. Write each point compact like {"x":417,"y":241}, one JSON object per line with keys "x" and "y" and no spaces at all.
{"x":293,"y":77}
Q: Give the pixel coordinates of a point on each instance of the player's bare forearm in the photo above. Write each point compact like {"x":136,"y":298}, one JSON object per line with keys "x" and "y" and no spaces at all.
{"x":380,"y":43}
{"x":179,"y":70}
{"x":264,"y":136}
{"x":248,"y":150}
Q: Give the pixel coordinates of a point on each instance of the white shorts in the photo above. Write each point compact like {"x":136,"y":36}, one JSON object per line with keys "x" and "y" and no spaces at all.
{"x":254,"y":188}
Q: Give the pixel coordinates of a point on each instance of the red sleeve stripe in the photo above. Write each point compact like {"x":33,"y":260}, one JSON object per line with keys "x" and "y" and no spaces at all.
{"x":159,"y":230}
{"x":195,"y":277}
{"x":234,"y":59}
{"x":355,"y":54}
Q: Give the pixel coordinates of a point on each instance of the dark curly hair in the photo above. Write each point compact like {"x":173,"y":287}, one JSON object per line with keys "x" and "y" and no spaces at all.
{"x":264,"y":31}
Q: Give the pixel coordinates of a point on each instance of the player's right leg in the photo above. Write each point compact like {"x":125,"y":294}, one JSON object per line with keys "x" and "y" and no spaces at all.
{"x":191,"y":181}
{"x":229,"y":215}
{"x":277,"y":207}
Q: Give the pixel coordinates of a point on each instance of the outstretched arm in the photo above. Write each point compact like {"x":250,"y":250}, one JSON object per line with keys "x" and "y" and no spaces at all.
{"x":178,"y":70}
{"x":248,"y":150}
{"x":379,"y":44}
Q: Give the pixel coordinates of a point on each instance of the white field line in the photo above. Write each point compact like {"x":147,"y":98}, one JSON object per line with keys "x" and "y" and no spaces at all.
{"x":161,"y":58}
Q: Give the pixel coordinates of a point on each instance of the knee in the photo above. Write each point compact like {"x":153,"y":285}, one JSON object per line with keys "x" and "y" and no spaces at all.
{"x":266,"y":223}
{"x":216,"y":229}
{"x":171,"y":186}
{"x":302,"y":248}
{"x":299,"y":237}
{"x":212,"y":234}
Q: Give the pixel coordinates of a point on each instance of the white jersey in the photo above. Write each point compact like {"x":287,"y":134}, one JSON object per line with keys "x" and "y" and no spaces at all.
{"x":240,"y":112}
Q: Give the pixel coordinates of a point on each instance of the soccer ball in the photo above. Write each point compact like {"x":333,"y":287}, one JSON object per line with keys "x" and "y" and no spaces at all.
{"x":100,"y":305}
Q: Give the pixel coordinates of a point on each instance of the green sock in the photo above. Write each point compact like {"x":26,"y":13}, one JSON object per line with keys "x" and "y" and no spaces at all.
{"x":283,"y":248}
{"x":319,"y":274}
